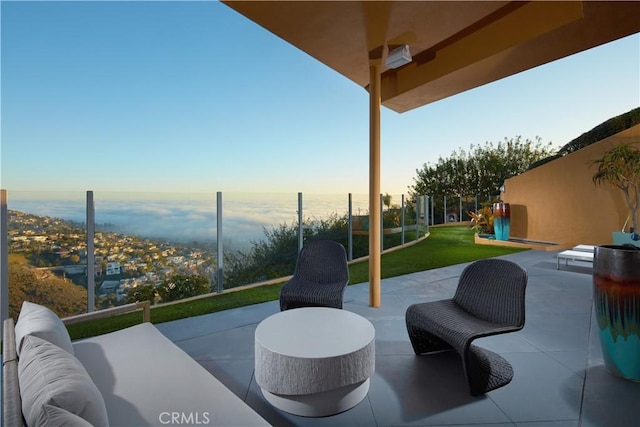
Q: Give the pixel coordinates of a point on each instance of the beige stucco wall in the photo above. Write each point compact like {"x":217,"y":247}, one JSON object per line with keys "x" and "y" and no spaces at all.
{"x":558,"y":202}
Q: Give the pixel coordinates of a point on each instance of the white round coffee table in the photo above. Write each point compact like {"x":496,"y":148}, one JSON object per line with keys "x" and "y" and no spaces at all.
{"x":314,"y":361}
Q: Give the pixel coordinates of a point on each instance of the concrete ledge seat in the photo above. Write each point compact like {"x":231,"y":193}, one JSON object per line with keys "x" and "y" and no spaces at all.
{"x":573,"y":255}
{"x":314,"y":361}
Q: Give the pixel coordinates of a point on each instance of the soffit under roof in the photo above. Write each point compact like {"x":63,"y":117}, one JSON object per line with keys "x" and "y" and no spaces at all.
{"x":456,"y":45}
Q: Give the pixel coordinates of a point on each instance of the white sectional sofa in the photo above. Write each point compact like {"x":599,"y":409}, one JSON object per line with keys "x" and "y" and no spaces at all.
{"x":131,"y":377}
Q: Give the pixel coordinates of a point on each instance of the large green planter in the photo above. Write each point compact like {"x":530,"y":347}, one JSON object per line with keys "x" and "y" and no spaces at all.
{"x":616,"y":297}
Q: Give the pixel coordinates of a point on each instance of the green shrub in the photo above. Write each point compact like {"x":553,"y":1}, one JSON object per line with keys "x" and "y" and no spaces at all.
{"x":182,"y":286}
{"x":143,"y":293}
{"x":276,"y":255}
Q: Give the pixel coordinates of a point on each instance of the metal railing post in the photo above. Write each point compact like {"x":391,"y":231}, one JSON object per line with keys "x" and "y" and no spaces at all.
{"x":402,"y":220}
{"x":418,"y":209}
{"x":350,"y":229}
{"x":91,"y":254}
{"x":444,"y":216}
{"x":300,"y":223}
{"x":426,"y":212}
{"x":220,"y":248}
{"x":433,"y":210}
{"x":4,"y":257}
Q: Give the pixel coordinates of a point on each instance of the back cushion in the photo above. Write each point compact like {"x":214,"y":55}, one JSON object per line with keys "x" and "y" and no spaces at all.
{"x":494,"y":290}
{"x":49,"y":375}
{"x":39,"y":321}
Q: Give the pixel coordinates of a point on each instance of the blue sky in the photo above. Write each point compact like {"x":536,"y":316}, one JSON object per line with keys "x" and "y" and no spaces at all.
{"x":191,"y":96}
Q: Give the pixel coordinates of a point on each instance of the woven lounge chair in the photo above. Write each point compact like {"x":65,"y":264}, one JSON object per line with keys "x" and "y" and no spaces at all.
{"x":489,"y":300}
{"x":320,"y":277}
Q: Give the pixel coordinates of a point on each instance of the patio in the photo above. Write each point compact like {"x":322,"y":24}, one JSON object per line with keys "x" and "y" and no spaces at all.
{"x":559,"y":380}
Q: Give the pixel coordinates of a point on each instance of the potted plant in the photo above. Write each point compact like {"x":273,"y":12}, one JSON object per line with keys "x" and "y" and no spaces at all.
{"x":616,"y":270}
{"x":482,"y":222}
{"x":620,"y":167}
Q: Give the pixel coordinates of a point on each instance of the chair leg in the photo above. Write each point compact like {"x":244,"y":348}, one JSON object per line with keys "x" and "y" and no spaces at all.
{"x":485,"y":370}
{"x":423,"y":341}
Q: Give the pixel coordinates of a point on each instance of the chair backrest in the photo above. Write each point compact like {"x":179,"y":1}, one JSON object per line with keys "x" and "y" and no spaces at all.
{"x":322,"y":261}
{"x":493,"y":290}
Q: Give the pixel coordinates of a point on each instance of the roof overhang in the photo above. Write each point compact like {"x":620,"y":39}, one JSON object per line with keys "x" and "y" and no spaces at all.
{"x":455,"y":45}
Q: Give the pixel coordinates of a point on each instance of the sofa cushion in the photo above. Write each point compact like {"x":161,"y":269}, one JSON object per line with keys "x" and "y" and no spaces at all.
{"x":37,"y":320}
{"x":50,"y":375}
{"x":146,"y":380}
{"x":52,"y":416}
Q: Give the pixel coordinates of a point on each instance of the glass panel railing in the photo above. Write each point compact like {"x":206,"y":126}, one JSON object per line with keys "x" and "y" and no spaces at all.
{"x":164,"y":246}
{"x":153,"y":246}
{"x":259,"y":236}
{"x":249,"y":218}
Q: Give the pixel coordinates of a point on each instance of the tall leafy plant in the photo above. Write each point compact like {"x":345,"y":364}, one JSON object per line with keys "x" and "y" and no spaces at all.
{"x":620,"y":167}
{"x":482,"y":221}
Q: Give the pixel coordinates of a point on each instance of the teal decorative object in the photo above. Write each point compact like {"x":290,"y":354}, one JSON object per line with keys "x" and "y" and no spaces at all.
{"x":502,"y":220}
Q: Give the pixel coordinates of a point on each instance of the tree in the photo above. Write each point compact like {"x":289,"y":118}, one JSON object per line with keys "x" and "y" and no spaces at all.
{"x":620,"y":167}
{"x":386,"y":200}
{"x":481,"y":170}
{"x":275,"y":256}
{"x":602,"y":131}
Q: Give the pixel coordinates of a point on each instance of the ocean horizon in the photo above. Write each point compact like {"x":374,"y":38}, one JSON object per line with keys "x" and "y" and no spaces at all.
{"x":190,"y":217}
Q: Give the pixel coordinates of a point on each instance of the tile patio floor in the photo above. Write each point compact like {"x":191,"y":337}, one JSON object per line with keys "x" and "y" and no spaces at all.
{"x":559,"y":381}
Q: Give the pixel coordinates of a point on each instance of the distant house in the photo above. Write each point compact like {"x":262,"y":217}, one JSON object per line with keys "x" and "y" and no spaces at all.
{"x":73,"y":269}
{"x":109,"y":287}
{"x":113,"y":268}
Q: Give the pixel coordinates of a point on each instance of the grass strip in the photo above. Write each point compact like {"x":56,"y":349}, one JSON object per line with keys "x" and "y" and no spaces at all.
{"x":180,"y":310}
{"x":445,"y":246}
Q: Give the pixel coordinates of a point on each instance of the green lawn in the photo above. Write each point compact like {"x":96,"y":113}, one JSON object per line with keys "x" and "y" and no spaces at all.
{"x":445,"y":246}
